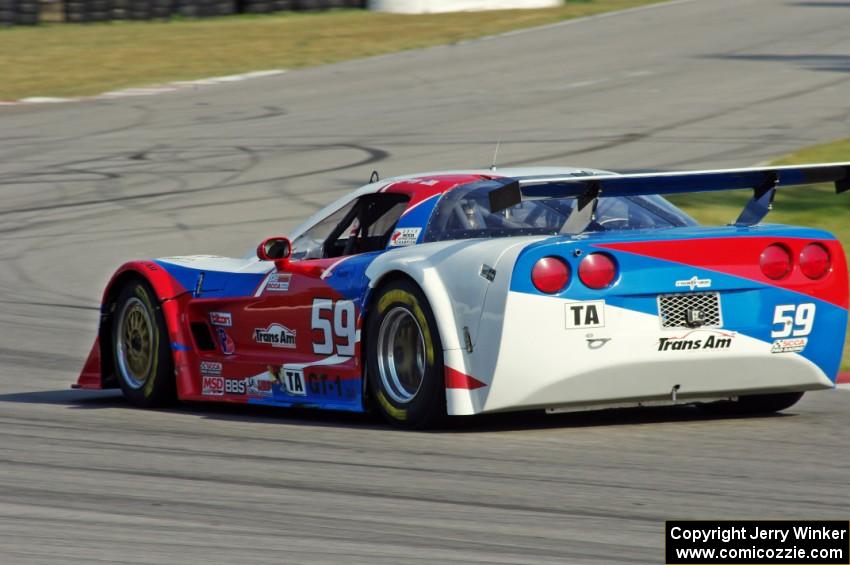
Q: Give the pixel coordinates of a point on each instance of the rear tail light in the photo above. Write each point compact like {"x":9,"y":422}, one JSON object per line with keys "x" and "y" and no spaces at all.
{"x":776,"y":261}
{"x":814,"y":261}
{"x":597,"y":270}
{"x":550,"y":275}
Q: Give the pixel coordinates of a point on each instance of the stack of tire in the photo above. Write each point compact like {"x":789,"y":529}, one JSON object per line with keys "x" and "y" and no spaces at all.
{"x":7,"y":12}
{"x":266,"y":6}
{"x":204,"y":8}
{"x":142,"y":9}
{"x":326,"y":4}
{"x":19,"y":12}
{"x":86,"y":11}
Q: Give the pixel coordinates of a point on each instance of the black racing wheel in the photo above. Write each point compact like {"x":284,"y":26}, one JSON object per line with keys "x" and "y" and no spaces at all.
{"x":140,"y":347}
{"x":404,"y":358}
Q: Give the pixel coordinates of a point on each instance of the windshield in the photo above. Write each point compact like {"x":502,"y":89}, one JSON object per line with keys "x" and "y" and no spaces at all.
{"x":464,"y":213}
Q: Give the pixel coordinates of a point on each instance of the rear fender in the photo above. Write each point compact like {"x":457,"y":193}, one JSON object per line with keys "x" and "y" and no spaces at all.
{"x":99,"y":371}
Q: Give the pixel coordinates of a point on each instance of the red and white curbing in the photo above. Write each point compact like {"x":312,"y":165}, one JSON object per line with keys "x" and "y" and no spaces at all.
{"x":843,"y":381}
{"x":148,"y":90}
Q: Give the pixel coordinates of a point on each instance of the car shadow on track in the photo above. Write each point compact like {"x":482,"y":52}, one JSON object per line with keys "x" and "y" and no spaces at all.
{"x":513,"y":421}
{"x":112,"y":399}
{"x":517,"y":421}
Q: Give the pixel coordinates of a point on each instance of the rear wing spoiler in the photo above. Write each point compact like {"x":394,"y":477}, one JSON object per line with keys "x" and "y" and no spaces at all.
{"x":587,"y":189}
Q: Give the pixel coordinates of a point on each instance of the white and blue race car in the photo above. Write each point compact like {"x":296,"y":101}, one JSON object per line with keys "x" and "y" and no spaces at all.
{"x":460,"y":293}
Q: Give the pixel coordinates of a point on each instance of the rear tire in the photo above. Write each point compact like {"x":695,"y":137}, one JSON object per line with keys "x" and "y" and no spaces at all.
{"x":140,"y":348}
{"x":754,"y":404}
{"x":404,"y":358}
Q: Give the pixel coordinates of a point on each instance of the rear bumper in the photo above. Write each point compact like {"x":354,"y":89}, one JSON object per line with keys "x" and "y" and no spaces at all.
{"x":541,"y":364}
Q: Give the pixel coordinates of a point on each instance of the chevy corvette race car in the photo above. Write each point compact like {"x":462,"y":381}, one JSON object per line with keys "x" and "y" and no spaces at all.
{"x":461,"y":293}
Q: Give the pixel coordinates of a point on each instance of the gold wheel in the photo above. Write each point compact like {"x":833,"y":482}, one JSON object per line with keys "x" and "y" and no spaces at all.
{"x":135,"y":343}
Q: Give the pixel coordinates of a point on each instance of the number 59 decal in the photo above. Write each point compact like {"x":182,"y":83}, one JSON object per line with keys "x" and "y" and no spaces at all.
{"x":794,"y":320}
{"x":334,"y":320}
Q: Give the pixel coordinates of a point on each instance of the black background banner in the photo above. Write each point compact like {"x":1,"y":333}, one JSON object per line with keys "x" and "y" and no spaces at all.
{"x":758,"y":542}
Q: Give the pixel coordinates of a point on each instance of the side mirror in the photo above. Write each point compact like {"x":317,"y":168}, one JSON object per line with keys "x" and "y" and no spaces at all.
{"x":274,"y":249}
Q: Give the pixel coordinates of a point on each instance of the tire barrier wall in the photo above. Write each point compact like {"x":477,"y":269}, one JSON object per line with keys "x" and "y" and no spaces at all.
{"x":27,"y":12}
{"x":437,"y":6}
{"x":19,"y":12}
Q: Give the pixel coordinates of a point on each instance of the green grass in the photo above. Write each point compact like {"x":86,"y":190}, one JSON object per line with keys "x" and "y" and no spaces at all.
{"x":814,"y":206}
{"x":73,"y":60}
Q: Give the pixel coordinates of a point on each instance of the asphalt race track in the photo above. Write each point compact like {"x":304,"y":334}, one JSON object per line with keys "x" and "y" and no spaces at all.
{"x":84,"y":186}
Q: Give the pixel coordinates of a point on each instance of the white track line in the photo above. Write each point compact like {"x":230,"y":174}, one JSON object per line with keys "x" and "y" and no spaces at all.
{"x":149,"y":90}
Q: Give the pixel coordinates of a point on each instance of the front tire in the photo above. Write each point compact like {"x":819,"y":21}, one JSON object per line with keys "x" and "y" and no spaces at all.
{"x":754,"y":404}
{"x":140,"y":348}
{"x":404,"y":358}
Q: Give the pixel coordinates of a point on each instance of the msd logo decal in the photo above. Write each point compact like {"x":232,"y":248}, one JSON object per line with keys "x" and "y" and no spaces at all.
{"x":276,"y":335}
{"x":212,"y":386}
{"x":404,"y":237}
{"x":694,"y":282}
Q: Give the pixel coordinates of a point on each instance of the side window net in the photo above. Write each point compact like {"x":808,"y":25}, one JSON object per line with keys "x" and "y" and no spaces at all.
{"x":362,"y":226}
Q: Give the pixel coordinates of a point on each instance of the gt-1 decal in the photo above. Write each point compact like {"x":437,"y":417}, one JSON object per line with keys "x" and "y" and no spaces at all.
{"x":584,"y":315}
{"x":344,"y":326}
{"x":323,"y":384}
{"x":276,"y":335}
{"x":715,"y":340}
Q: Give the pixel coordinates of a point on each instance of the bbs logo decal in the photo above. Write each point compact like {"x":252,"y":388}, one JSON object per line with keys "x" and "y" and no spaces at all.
{"x":403,"y":237}
{"x":212,"y":386}
{"x":276,"y":335}
{"x":696,"y":340}
{"x":587,"y":314}
{"x":235,"y":386}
